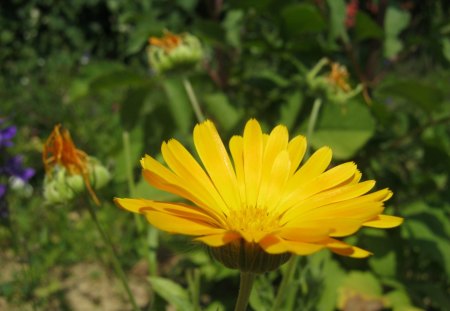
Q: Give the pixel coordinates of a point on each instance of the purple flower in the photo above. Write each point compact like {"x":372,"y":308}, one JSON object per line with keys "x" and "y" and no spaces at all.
{"x":2,"y":191}
{"x":6,"y":134}
{"x":14,"y":167}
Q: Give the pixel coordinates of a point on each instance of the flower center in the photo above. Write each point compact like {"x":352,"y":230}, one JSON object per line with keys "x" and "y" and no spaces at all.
{"x":252,"y":220}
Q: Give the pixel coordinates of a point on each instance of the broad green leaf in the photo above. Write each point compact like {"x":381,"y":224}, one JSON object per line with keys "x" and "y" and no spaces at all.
{"x":337,"y":20}
{"x":179,"y":104}
{"x":392,"y":46}
{"x":232,"y":24}
{"x":366,"y":28}
{"x":416,"y":92}
{"x":399,"y":301}
{"x":328,"y":276}
{"x":395,"y":21}
{"x":344,"y":129}
{"x":359,"y":289}
{"x":301,"y":19}
{"x":220,"y":108}
{"x":446,"y":48}
{"x":422,"y":236}
{"x":173,"y":293}
{"x":290,"y":109}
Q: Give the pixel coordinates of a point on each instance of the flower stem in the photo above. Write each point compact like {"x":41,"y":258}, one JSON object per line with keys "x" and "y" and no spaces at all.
{"x":285,"y":282}
{"x":312,"y":122}
{"x":114,"y":257}
{"x":193,"y":99}
{"x":245,"y":288}
{"x":129,"y":172}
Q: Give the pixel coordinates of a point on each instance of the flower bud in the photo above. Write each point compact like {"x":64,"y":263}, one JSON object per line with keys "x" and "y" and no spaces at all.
{"x":174,"y":52}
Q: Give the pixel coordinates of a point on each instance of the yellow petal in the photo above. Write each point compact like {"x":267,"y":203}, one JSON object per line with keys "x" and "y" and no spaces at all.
{"x":304,"y":234}
{"x":296,"y":149}
{"x":384,"y":221}
{"x":275,"y":245}
{"x":186,"y":167}
{"x":177,"y":209}
{"x":236,"y":146}
{"x":324,"y":198}
{"x":216,"y":161}
{"x":345,"y":249}
{"x":180,"y":225}
{"x":131,"y":205}
{"x":253,"y":154}
{"x":162,"y":178}
{"x":274,"y":187}
{"x":315,"y":166}
{"x":336,"y":226}
{"x":276,"y":144}
{"x":220,"y":239}
{"x":349,"y":209}
{"x":318,"y":184}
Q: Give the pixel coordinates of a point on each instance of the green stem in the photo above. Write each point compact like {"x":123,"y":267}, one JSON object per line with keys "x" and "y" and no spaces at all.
{"x":114,"y":257}
{"x":285,"y":282}
{"x":193,"y":100}
{"x":245,"y":288}
{"x":312,"y":123}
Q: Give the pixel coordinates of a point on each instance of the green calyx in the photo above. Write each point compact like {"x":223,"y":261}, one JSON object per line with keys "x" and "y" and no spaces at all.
{"x":248,"y":257}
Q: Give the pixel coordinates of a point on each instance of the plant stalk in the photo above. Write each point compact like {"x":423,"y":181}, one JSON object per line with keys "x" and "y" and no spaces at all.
{"x":193,"y":100}
{"x":245,"y":288}
{"x":114,"y":257}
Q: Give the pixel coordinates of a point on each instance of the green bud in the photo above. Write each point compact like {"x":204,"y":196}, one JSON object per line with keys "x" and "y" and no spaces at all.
{"x":172,"y":52}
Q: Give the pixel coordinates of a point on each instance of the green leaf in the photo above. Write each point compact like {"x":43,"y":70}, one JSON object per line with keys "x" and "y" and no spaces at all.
{"x":146,"y":25}
{"x":220,"y":108}
{"x":119,"y":78}
{"x":337,"y":20}
{"x":395,"y":21}
{"x":363,"y":283}
{"x":392,"y":46}
{"x":301,"y":19}
{"x":131,"y":105}
{"x":366,"y":28}
{"x":233,"y":24}
{"x":446,"y":48}
{"x":344,"y":129}
{"x":173,"y":293}
{"x":262,"y":295}
{"x":290,"y":109}
{"x":423,"y":95}
{"x":329,"y":275}
{"x":179,"y":104}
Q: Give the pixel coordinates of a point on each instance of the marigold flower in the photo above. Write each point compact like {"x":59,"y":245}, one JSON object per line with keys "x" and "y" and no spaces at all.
{"x":262,"y":200}
{"x":59,"y":150}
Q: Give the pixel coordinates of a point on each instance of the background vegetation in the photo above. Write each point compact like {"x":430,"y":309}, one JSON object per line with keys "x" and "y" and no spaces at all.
{"x":83,"y":63}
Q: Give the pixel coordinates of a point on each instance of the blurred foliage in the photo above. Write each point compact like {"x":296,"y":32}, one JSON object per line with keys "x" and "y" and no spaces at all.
{"x":82,"y":63}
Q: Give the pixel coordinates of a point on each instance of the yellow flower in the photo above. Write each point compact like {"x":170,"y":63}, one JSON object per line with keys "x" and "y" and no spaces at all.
{"x":261,"y":198}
